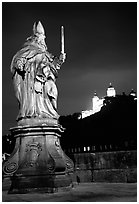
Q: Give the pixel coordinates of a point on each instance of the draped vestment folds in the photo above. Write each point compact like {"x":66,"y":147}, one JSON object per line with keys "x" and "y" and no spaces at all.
{"x":34,"y":70}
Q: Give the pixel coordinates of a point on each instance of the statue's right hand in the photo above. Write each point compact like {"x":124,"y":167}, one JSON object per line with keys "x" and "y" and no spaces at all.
{"x":62,"y":57}
{"x":20,"y":64}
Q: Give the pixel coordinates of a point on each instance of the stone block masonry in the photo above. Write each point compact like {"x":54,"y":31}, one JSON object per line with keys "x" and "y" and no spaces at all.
{"x":117,"y":166}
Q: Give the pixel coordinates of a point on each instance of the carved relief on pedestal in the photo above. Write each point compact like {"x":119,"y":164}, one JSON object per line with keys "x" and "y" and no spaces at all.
{"x":11,"y":166}
{"x":69,"y":164}
{"x":33,"y":150}
{"x":51,"y":164}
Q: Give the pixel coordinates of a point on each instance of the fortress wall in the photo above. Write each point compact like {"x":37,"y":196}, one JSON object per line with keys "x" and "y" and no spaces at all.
{"x":117,"y":166}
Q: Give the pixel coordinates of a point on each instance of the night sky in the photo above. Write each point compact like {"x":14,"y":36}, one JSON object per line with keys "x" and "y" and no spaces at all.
{"x":100,"y":42}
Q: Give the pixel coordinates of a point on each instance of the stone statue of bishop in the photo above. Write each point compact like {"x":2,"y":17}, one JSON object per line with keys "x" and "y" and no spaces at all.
{"x":34,"y":72}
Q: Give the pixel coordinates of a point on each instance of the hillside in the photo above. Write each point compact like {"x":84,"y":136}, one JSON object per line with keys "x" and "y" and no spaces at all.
{"x":116,"y":123}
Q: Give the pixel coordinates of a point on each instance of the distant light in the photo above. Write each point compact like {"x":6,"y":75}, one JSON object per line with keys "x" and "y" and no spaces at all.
{"x":132,"y":94}
{"x":80,"y":116}
{"x":111,"y":91}
{"x":87,"y":113}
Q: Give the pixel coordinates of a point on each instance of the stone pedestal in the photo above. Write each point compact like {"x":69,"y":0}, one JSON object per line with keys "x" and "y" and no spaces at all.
{"x":38,"y":162}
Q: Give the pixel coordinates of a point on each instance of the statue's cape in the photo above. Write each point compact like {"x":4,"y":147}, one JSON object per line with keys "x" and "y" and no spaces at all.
{"x":29,"y":51}
{"x":26,"y":52}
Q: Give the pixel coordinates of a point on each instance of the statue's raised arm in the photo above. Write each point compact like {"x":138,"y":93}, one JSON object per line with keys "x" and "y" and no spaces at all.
{"x":34,"y":72}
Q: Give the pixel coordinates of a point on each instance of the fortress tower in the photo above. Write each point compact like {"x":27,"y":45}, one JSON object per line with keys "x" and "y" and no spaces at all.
{"x":111,"y":91}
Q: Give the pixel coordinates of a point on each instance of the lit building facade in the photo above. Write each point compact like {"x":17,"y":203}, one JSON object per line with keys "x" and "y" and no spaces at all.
{"x":111,"y":91}
{"x":98,"y":103}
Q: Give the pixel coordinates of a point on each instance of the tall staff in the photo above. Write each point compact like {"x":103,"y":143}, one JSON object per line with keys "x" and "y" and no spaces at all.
{"x":62,"y":39}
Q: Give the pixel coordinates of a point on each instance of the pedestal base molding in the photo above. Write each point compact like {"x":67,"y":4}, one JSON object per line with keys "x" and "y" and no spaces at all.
{"x":38,"y":161}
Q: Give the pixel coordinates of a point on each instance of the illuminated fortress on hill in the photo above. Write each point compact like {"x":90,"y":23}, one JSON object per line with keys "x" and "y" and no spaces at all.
{"x":98,"y":103}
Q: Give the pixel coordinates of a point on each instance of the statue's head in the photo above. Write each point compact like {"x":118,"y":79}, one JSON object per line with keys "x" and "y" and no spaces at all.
{"x":38,"y":31}
{"x":38,"y":35}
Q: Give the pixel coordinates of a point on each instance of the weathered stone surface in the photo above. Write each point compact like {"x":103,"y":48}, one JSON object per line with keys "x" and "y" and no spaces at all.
{"x":34,"y":72}
{"x":118,"y":166}
{"x":38,"y":162}
{"x":132,"y":175}
{"x":106,"y":160}
{"x":107,"y":175}
{"x":110,"y":175}
{"x":84,"y":176}
{"x":6,"y":183}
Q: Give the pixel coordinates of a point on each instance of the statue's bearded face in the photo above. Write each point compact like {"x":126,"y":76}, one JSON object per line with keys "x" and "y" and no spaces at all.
{"x":41,"y":39}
